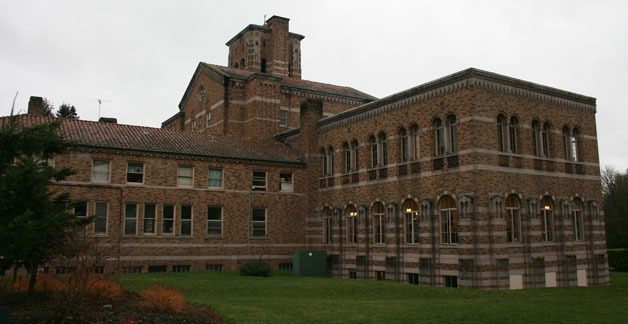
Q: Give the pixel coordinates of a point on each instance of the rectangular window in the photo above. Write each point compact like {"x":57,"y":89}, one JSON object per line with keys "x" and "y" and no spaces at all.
{"x":283,"y":118}
{"x":185,"y":225}
{"x":285,"y":180}
{"x":259,"y":181}
{"x":378,"y":228}
{"x":100,"y":170}
{"x":413,"y":278}
{"x":578,"y":230}
{"x":132,"y":269}
{"x":258,"y":222}
{"x":181,"y":268}
{"x":286,"y":267}
{"x":157,"y":268}
{"x":80,"y":209}
{"x":167,"y":226}
{"x":214,"y":220}
{"x":135,"y":172}
{"x":213,"y":267}
{"x":450,"y":281}
{"x":214,"y":178}
{"x":149,"y":218}
{"x":100,"y":219}
{"x":130,"y":219}
{"x":185,"y":176}
{"x":353,"y":275}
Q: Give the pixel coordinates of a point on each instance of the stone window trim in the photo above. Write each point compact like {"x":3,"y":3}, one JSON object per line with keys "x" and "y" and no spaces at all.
{"x":101,"y":170}
{"x":513,"y":218}
{"x":508,"y":134}
{"x":410,"y":210}
{"x":577,"y":219}
{"x":379,"y":224}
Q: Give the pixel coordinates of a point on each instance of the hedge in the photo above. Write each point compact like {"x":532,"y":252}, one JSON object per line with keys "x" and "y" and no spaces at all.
{"x":618,"y":259}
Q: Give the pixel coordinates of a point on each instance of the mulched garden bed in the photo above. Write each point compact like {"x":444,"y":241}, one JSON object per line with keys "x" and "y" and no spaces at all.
{"x":50,"y":308}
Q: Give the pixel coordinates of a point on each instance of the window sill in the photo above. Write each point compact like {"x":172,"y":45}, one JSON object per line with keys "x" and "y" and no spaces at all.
{"x":214,"y":237}
{"x":216,"y":188}
{"x":259,"y":238}
{"x":135,"y":183}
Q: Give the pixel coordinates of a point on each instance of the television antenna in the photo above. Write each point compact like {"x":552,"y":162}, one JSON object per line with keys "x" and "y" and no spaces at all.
{"x":100,"y":102}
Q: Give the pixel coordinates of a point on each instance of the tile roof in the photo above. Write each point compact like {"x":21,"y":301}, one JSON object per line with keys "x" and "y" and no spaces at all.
{"x":298,"y":83}
{"x":147,"y":139}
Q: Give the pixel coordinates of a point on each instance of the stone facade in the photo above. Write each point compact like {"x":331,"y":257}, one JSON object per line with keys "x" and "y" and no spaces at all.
{"x":472,"y":180}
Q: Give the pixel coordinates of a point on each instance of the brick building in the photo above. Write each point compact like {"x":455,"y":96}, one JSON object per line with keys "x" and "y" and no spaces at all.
{"x":473,"y":180}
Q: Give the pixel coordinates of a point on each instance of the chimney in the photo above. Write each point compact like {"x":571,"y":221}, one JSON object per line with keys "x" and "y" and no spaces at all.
{"x":109,"y":120}
{"x":277,"y":63}
{"x":311,"y":112}
{"x":36,"y":106}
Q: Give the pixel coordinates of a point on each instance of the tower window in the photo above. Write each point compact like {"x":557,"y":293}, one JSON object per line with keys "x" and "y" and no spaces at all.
{"x":263,"y":65}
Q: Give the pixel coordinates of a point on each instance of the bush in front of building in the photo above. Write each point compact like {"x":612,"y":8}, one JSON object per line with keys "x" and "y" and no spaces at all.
{"x":618,"y":259}
{"x":257,"y":268}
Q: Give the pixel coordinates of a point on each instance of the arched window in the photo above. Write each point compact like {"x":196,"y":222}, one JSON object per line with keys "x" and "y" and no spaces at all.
{"x":576,"y":144}
{"x":327,"y":225}
{"x":547,"y":212}
{"x":577,"y":219}
{"x":383,"y":149}
{"x":236,"y":65}
{"x":378,"y":223}
{"x":453,"y":133}
{"x":330,"y":161}
{"x":263,"y":66}
{"x":414,"y":142}
{"x":536,"y":138}
{"x":513,"y":219}
{"x":355,"y":149}
{"x":374,"y":153}
{"x":448,"y":220}
{"x":567,"y":143}
{"x":346,"y":156}
{"x":352,"y":224}
{"x":501,"y":133}
{"x":404,"y":147}
{"x":411,"y":212}
{"x":323,"y":163}
{"x":545,"y":139}
{"x":439,"y":137}
{"x":513,"y":134}
{"x":242,"y":66}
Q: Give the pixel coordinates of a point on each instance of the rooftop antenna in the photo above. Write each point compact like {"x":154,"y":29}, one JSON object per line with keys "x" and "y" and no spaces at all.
{"x":100,"y":101}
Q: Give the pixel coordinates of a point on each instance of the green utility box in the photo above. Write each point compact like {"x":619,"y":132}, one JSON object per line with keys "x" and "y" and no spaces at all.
{"x":310,"y":263}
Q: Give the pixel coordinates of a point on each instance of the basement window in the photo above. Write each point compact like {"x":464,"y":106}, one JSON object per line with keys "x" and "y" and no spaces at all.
{"x":181,"y":268}
{"x":214,"y":267}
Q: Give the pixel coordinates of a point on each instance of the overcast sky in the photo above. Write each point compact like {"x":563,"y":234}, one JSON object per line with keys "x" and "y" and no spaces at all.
{"x":138,"y":56}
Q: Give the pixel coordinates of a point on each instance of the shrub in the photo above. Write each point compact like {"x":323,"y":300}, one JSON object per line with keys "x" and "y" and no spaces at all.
{"x":102,"y":288}
{"x":256,"y":268}
{"x":618,"y":259}
{"x":163,"y":299}
{"x":44,"y":283}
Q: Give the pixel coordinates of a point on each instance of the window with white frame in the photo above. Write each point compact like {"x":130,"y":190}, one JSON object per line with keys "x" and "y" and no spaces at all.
{"x":100,"y":218}
{"x":135,"y":172}
{"x":214,"y":220}
{"x":513,"y":219}
{"x":285,"y":181}
{"x":130,"y":219}
{"x":149,"y":218}
{"x":167,"y":224}
{"x":577,"y":220}
{"x":101,"y":170}
{"x":283,"y":118}
{"x":185,"y":176}
{"x":214,"y":178}
{"x":185,"y":220}
{"x":80,"y":209}
{"x":258,"y":222}
{"x":378,"y":223}
{"x":259,"y":181}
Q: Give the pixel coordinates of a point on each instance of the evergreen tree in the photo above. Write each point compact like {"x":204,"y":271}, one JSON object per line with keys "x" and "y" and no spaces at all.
{"x":34,"y":221}
{"x":67,"y":111}
{"x":615,"y":191}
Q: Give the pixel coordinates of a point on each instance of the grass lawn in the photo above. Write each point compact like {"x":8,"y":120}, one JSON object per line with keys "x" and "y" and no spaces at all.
{"x":284,"y":298}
